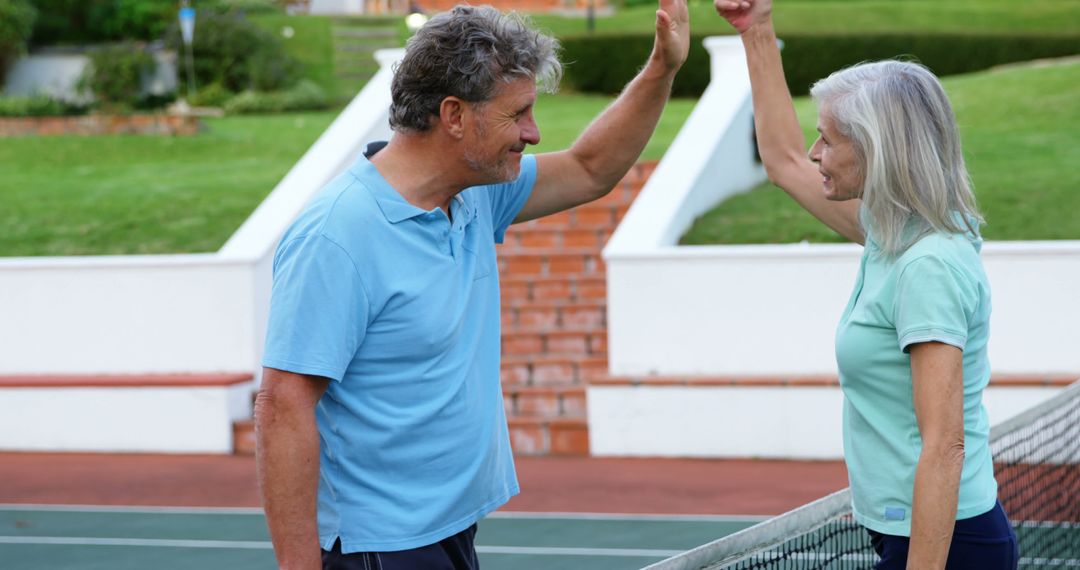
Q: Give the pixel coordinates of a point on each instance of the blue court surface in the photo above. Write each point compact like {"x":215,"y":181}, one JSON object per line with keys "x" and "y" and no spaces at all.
{"x":122,"y":538}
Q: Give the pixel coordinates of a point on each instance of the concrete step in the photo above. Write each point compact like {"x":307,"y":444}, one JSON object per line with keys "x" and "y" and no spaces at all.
{"x":136,"y":413}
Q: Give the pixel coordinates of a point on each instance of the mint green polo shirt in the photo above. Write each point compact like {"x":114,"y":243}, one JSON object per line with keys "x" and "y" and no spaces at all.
{"x":935,"y":291}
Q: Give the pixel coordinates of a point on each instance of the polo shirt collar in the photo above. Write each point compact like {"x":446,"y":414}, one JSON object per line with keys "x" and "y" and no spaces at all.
{"x":391,"y":203}
{"x":393,"y":206}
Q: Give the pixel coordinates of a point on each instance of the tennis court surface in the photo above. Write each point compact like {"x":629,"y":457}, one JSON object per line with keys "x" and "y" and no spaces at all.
{"x":172,"y":512}
{"x":201,"y":512}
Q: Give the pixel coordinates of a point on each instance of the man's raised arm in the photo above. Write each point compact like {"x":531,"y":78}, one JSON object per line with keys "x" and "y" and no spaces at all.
{"x":611,"y":144}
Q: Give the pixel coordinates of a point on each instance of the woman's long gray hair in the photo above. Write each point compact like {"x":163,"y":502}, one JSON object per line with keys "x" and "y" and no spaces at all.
{"x":466,"y":52}
{"x":904,"y":131}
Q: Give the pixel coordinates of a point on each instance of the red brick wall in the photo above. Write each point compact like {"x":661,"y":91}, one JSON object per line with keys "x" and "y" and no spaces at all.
{"x":99,"y":125}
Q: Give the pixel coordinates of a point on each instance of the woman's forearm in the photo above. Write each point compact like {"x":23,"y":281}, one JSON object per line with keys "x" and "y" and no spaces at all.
{"x":779,"y":136}
{"x":937,"y":488}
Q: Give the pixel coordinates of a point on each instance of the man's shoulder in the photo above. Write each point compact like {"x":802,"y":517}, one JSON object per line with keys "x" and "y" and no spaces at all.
{"x":344,"y":200}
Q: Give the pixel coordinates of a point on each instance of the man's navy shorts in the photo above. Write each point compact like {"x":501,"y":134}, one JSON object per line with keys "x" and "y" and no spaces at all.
{"x":453,"y":553}
{"x":984,"y":542}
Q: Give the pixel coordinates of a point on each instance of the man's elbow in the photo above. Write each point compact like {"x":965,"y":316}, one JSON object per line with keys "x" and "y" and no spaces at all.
{"x":264,"y":412}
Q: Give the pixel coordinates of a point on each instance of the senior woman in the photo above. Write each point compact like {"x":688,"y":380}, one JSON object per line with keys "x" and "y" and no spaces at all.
{"x":887,"y":172}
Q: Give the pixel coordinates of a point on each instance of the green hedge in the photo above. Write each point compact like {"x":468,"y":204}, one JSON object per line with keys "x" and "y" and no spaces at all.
{"x":95,"y":21}
{"x":83,"y":21}
{"x":16,"y":22}
{"x":305,"y":96}
{"x":37,"y":106}
{"x":115,"y":75}
{"x":605,"y":63}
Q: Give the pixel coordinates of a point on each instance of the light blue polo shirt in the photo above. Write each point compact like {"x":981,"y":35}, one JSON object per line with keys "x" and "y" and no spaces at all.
{"x":935,"y":291}
{"x":399,"y":307}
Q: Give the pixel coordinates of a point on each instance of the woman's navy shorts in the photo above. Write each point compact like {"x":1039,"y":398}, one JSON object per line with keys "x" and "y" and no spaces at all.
{"x":984,"y":542}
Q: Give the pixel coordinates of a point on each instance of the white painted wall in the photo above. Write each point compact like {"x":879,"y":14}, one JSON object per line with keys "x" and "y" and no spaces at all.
{"x":125,"y":314}
{"x":169,"y":420}
{"x":759,"y":310}
{"x":743,"y":421}
{"x":56,"y":72}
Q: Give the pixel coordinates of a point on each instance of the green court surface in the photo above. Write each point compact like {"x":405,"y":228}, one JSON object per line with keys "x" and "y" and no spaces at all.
{"x":121,"y":538}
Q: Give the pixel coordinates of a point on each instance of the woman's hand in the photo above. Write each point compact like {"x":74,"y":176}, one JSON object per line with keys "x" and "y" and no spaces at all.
{"x":744,"y":14}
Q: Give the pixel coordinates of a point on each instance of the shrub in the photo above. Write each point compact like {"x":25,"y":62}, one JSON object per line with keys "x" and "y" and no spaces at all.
{"x":115,"y":75}
{"x":213,"y":95}
{"x":245,"y":6}
{"x":37,"y":106}
{"x":79,"y":21}
{"x":231,"y":51}
{"x":605,"y":63}
{"x":306,"y":96}
{"x":16,"y":22}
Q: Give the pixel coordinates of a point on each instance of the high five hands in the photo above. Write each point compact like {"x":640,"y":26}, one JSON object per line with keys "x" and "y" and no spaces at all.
{"x":744,"y":14}
{"x":672,"y":33}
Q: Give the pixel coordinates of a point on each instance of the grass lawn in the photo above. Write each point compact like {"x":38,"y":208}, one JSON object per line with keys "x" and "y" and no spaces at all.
{"x":1022,"y":144}
{"x":839,"y":16}
{"x":142,"y":194}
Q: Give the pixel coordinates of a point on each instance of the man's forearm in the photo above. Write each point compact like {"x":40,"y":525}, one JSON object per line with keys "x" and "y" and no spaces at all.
{"x":287,"y":461}
{"x":611,"y":144}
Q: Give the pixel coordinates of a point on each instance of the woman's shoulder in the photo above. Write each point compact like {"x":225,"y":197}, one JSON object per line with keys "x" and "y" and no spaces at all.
{"x":959,"y":251}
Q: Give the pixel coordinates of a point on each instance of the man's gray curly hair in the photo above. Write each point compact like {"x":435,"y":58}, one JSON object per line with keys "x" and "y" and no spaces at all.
{"x":466,"y":52}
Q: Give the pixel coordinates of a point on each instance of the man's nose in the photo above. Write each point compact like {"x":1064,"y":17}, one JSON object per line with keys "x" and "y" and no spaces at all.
{"x":530,"y":133}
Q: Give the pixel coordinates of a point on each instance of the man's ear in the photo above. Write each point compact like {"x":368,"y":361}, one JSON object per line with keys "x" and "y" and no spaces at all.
{"x":452,"y":112}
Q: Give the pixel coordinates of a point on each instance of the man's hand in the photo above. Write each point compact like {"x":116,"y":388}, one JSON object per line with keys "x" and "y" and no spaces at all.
{"x":672,"y":34}
{"x":744,"y":14}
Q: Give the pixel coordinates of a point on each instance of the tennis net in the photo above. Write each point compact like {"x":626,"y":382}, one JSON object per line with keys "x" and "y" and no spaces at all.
{"x":1037,"y":464}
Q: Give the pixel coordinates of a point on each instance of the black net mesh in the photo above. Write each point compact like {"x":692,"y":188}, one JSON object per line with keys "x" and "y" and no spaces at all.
{"x":1037,"y":464}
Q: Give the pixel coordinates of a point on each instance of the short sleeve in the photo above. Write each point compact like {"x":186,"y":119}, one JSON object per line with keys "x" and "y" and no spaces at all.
{"x":934,"y":303}
{"x":508,"y":199}
{"x":318,"y":309}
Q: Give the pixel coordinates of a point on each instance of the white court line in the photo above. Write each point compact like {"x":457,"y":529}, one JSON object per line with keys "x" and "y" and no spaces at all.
{"x":153,"y":542}
{"x":263,"y":545}
{"x":559,"y":551}
{"x":495,"y":515}
{"x":26,"y":507}
{"x":627,"y":517}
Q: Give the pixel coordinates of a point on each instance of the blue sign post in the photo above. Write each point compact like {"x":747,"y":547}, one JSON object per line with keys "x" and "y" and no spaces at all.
{"x":187,"y":32}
